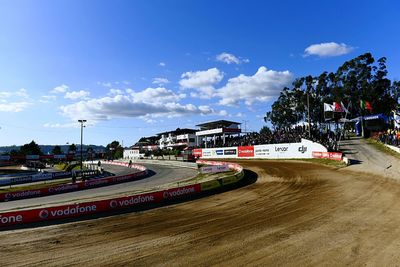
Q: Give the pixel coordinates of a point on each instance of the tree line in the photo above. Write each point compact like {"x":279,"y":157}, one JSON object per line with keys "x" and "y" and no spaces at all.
{"x":361,"y":78}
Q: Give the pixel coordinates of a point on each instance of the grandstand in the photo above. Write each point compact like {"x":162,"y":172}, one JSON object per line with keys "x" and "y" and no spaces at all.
{"x":214,"y":132}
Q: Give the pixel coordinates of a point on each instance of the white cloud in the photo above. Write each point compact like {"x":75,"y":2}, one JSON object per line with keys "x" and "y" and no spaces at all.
{"x":115,"y":92}
{"x":47,"y":98}
{"x":231,"y":59}
{"x":61,"y":125}
{"x":60,"y":89}
{"x":162,"y":64}
{"x":22,"y":93}
{"x":14,"y":106}
{"x":160,"y":81}
{"x":327,"y":49}
{"x":262,"y":86}
{"x":5,"y":94}
{"x":202,"y":81}
{"x":148,"y":104}
{"x":156,"y":95}
{"x":77,"y":94}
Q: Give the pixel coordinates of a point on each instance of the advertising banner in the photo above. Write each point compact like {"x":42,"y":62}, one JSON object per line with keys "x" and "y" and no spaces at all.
{"x":230,"y":151}
{"x":328,"y":155}
{"x":64,"y":188}
{"x":214,"y":169}
{"x":246,"y":151}
{"x":197,"y":152}
{"x":268,"y":151}
{"x":87,"y":208}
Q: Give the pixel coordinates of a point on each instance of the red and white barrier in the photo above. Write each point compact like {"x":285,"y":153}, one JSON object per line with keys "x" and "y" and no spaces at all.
{"x":87,"y":208}
{"x":92,"y":207}
{"x":328,"y":155}
{"x":64,"y":188}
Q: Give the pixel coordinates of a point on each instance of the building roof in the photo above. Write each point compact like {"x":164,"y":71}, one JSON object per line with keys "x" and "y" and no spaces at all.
{"x":179,"y":131}
{"x":217,"y":124}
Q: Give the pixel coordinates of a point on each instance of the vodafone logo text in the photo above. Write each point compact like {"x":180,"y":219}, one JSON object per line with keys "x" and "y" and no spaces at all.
{"x":71,"y":210}
{"x":22,"y":194}
{"x":131,"y":201}
{"x":10,"y":219}
{"x":179,"y":192}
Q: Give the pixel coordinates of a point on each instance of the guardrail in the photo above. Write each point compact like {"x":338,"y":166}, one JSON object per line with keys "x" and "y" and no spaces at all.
{"x":93,"y":207}
{"x":78,"y":186}
{"x":166,"y":162}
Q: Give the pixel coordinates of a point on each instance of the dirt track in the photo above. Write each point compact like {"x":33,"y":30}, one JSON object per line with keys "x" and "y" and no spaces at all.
{"x":295,"y":214}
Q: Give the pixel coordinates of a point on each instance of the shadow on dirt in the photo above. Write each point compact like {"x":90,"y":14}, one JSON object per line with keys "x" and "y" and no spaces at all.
{"x":249,"y":178}
{"x":355,"y":161}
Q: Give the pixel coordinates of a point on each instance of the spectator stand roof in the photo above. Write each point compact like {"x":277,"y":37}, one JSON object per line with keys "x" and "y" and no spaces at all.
{"x":178,"y":131}
{"x":217,"y":124}
{"x":220,"y":127}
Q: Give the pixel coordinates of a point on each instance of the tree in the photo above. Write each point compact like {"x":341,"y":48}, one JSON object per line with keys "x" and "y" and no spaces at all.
{"x":265,"y":130}
{"x":115,"y":150}
{"x":361,"y":78}
{"x":72,"y":149}
{"x":30,"y":149}
{"x":56,"y":150}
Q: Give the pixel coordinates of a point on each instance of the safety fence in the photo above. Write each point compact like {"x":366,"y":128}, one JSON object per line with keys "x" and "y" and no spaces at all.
{"x":83,"y":185}
{"x":119,"y":203}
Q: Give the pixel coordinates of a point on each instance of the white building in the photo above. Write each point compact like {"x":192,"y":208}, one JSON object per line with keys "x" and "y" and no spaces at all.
{"x":178,"y":139}
{"x":131,"y":153}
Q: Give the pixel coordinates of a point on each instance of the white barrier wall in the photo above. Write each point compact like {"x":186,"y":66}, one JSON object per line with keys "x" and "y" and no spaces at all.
{"x":300,"y":150}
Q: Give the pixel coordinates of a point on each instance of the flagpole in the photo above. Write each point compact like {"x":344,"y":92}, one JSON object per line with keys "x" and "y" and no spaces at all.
{"x":344,"y":124}
{"x":309,"y":123}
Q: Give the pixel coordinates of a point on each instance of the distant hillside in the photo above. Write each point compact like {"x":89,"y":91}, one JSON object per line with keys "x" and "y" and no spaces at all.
{"x":46,"y":149}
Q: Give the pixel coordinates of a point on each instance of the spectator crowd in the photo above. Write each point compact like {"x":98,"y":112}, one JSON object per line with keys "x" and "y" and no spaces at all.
{"x":282,"y":135}
{"x":390,"y":137}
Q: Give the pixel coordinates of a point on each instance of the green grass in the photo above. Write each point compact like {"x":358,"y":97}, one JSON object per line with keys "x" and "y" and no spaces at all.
{"x":381,"y":147}
{"x":327,"y":162}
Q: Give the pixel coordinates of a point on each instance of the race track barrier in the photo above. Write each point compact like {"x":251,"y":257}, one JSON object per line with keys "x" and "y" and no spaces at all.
{"x":328,"y":155}
{"x":113,"y":204}
{"x":34,"y":178}
{"x":84,"y":185}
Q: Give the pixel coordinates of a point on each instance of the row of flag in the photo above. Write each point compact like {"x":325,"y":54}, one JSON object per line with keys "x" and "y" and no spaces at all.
{"x":339,"y":107}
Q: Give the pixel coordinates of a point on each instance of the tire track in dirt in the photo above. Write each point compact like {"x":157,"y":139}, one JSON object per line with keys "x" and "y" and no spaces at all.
{"x":295,"y":214}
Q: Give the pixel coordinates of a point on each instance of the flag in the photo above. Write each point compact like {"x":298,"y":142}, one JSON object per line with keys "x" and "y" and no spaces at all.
{"x":328,"y":107}
{"x":344,"y":108}
{"x":365,"y":105}
{"x":337,"y":107}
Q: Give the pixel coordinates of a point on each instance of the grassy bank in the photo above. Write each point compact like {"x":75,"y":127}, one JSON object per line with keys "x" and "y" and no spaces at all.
{"x":381,"y":147}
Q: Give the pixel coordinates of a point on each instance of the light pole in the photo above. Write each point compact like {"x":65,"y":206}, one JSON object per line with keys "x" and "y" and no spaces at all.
{"x":82,"y":122}
{"x":308,"y":108}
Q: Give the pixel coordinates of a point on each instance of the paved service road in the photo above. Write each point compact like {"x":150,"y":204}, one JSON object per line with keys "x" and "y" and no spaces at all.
{"x":365,"y":158}
{"x":159,"y":175}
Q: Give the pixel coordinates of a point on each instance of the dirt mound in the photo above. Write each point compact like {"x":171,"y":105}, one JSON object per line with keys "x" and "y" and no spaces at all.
{"x":294,"y":214}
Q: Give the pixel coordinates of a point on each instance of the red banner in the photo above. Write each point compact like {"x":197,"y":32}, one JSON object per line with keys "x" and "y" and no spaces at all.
{"x":328,"y":155}
{"x":198,"y":152}
{"x":64,"y":188}
{"x":245,"y":151}
{"x":86,"y":208}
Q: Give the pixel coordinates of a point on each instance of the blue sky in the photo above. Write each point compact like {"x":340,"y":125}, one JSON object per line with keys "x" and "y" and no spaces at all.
{"x":137,"y":68}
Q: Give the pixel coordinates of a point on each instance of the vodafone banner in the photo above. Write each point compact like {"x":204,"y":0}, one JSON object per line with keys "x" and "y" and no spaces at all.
{"x":87,"y":208}
{"x":64,"y":188}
